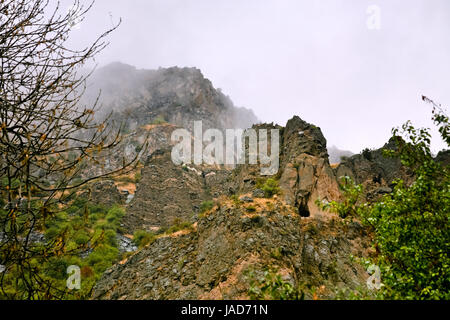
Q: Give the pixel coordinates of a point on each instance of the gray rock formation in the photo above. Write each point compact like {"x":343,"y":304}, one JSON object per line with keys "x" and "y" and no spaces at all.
{"x":374,"y":171}
{"x":371,"y":165}
{"x":125,"y":244}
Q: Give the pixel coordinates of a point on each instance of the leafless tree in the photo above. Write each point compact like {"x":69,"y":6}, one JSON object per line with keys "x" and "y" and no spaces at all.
{"x":46,"y":135}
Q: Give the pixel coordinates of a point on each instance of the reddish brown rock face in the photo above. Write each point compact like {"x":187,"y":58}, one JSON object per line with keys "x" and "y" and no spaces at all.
{"x":307,"y":179}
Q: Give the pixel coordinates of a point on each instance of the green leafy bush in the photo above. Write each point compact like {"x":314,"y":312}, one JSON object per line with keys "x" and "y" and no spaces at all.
{"x":236,"y":201}
{"x":82,"y":237}
{"x":206,"y":206}
{"x":141,"y":238}
{"x":102,"y":257}
{"x":115,"y":215}
{"x":159,"y":120}
{"x":270,"y":187}
{"x":411,"y":225}
{"x":110,"y":238}
{"x":80,"y":225}
{"x":271,"y":286}
{"x":352,"y":195}
{"x":56,"y":268}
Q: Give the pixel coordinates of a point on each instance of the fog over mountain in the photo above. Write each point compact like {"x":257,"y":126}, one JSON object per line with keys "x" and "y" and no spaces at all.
{"x":176,"y":95}
{"x":316,"y":59}
{"x":335,"y":154}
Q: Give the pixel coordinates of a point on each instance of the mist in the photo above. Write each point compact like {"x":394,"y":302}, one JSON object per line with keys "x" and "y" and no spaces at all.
{"x":319,"y":60}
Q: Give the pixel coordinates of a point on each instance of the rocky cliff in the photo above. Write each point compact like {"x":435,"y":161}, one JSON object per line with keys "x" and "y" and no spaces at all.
{"x":167,"y":191}
{"x":225,"y":247}
{"x":221,"y":249}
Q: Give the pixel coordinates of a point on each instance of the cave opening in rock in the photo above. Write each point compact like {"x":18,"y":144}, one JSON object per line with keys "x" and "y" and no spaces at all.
{"x":303,"y":210}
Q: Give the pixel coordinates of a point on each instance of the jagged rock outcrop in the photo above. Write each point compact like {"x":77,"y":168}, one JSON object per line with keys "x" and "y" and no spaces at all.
{"x":216,"y":258}
{"x":374,"y":171}
{"x":371,"y":165}
{"x":304,"y":175}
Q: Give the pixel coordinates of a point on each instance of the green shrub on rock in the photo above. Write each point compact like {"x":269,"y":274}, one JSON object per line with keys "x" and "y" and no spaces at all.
{"x":270,"y":187}
{"x":141,"y":238}
{"x":412,"y":223}
{"x":271,"y":286}
{"x":206,"y":206}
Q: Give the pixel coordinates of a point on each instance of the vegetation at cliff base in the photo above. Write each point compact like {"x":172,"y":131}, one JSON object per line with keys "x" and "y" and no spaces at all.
{"x":411,"y":224}
{"x":85,"y":235}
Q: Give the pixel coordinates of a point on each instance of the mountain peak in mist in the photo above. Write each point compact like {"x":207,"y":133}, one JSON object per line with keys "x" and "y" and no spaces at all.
{"x":179,"y":95}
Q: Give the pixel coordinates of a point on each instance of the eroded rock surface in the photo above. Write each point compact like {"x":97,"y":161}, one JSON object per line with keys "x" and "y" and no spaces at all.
{"x":304,"y":175}
{"x":215,"y":260}
{"x":169,"y":192}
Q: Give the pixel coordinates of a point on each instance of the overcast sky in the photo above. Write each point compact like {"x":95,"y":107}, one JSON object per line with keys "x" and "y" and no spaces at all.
{"x":316,"y":59}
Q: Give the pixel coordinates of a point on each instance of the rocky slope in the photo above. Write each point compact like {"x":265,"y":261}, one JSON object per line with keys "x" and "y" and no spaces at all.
{"x":219,"y":257}
{"x":167,"y":191}
{"x":237,"y":240}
